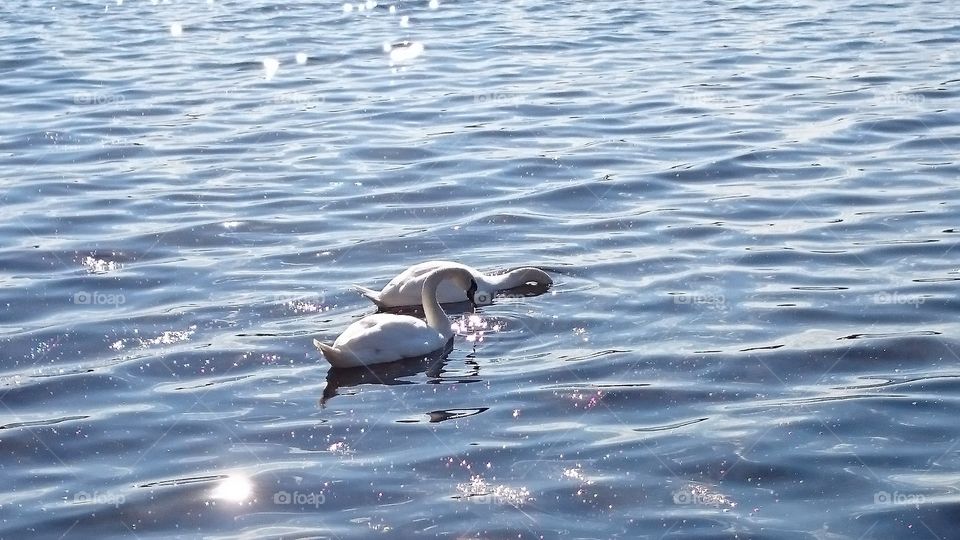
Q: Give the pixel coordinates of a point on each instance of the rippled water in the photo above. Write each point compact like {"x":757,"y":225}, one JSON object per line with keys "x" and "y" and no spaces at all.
{"x":750,"y":210}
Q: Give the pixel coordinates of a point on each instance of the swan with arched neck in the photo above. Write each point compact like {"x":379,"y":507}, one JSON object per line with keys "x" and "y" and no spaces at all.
{"x":386,"y":337}
{"x":404,"y":290}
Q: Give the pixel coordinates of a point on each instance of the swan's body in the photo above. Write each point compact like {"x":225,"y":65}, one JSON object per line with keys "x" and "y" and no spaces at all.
{"x":404,"y":290}
{"x":385,"y":337}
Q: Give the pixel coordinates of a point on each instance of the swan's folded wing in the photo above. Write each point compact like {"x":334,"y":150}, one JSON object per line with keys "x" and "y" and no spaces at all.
{"x":382,"y":337}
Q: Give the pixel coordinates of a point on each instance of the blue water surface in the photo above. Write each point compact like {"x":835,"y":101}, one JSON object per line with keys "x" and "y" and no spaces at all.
{"x":750,"y":210}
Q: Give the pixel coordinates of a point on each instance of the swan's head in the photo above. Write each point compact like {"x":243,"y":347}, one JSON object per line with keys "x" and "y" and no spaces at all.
{"x":460,"y":277}
{"x":465,"y":281}
{"x":530,"y":275}
{"x":472,"y":292}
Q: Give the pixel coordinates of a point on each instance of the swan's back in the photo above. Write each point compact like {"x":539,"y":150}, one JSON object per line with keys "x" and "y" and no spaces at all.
{"x":380,"y":338}
{"x":405,"y":289}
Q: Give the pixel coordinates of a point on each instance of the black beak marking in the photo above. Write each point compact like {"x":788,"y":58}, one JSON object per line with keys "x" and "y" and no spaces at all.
{"x":471,"y":292}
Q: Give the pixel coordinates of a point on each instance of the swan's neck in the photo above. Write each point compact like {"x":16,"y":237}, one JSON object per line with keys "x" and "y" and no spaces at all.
{"x":436,"y":317}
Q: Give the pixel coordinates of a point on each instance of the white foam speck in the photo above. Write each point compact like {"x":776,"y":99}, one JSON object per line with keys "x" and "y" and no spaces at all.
{"x":176,"y":29}
{"x":301,"y":58}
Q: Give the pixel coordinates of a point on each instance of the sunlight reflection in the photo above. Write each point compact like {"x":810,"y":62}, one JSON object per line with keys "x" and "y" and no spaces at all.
{"x":176,"y":29}
{"x":479,"y":490}
{"x":474,"y":326}
{"x":234,"y":489}
{"x":404,"y":51}
{"x":270,"y":67}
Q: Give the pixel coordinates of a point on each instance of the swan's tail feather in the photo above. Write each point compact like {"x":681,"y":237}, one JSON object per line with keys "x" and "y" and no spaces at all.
{"x":328,"y":351}
{"x":372,"y":295}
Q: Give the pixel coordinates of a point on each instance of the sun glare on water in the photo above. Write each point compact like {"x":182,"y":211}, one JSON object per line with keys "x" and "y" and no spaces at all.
{"x":234,"y":488}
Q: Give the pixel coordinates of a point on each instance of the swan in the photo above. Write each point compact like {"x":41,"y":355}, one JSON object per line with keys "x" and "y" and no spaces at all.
{"x":386,"y":337}
{"x":404,"y":290}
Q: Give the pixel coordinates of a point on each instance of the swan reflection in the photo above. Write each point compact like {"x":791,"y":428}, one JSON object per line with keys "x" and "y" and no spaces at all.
{"x":436,"y":368}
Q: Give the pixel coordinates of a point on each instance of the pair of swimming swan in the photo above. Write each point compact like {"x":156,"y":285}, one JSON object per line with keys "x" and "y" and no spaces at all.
{"x":387,"y":337}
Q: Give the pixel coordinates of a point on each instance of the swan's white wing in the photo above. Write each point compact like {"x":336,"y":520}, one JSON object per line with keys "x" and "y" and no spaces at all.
{"x":385,"y":338}
{"x":406,"y":288}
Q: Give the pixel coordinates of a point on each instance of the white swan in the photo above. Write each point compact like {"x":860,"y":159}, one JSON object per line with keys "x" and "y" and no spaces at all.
{"x":404,"y":290}
{"x":385,"y":337}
